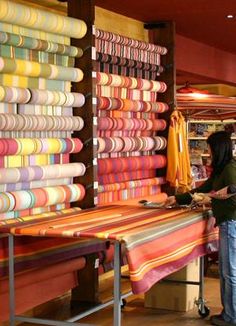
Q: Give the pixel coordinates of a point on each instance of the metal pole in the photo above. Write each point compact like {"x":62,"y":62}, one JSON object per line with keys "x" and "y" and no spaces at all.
{"x":201,"y":290}
{"x":203,"y":310}
{"x":117,"y":290}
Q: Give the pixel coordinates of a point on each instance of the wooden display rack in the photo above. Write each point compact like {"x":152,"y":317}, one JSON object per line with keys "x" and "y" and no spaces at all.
{"x":159,"y":33}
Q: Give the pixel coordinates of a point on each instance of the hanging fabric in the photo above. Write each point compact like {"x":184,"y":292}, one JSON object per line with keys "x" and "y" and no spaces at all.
{"x":178,"y":162}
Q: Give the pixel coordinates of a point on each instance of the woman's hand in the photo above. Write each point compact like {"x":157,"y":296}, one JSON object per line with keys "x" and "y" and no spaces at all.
{"x":201,"y":198}
{"x":171,"y":200}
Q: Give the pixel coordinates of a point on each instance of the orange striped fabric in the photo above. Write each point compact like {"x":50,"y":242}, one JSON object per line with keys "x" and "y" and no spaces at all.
{"x":157,"y":241}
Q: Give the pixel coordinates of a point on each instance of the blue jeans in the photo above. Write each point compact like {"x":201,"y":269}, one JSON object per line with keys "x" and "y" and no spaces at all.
{"x":227,"y":270}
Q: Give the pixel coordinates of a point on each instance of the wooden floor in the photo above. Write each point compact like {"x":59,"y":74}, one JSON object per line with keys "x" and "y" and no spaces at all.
{"x":134,"y":312}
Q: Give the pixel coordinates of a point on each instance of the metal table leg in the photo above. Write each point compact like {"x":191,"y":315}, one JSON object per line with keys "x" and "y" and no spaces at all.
{"x":117,"y":287}
{"x":203,"y":310}
{"x":201,"y":287}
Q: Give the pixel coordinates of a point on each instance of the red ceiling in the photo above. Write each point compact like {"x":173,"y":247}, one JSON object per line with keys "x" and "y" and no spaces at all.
{"x":202,"y":20}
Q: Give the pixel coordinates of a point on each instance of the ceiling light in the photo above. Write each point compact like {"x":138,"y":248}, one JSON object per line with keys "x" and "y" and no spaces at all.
{"x":199,"y":95}
{"x":230,"y":16}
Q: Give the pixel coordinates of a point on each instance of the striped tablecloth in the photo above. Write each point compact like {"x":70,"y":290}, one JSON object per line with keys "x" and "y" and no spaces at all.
{"x":157,"y":241}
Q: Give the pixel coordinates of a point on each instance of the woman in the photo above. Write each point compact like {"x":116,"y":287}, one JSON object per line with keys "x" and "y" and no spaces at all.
{"x":223,"y":174}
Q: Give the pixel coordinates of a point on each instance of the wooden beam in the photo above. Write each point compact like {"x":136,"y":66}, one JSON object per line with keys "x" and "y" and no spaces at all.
{"x":212,"y":64}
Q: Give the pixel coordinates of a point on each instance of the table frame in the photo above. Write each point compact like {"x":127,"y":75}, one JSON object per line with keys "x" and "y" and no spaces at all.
{"x":116,"y":301}
{"x":117,"y":296}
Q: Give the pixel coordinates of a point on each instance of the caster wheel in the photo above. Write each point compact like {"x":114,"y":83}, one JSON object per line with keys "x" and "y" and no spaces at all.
{"x":204,"y":312}
{"x":123,"y":303}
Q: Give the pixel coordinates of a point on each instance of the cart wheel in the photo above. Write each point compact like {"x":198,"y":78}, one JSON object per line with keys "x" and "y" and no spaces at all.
{"x":204,"y":312}
{"x":123,"y":303}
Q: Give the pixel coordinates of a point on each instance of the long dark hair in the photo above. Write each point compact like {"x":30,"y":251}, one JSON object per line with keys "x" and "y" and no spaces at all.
{"x":221,"y":149}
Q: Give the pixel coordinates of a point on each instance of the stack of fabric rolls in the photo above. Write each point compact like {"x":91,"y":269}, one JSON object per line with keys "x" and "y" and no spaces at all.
{"x":128,"y":117}
{"x":36,"y":111}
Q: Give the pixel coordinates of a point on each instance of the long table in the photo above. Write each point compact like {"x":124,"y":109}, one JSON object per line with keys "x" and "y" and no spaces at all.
{"x":157,"y":243}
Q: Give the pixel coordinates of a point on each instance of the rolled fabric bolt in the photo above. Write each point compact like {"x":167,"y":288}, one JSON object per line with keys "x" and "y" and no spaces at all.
{"x":39,"y":45}
{"x":120,"y":39}
{"x":26,"y":16}
{"x":39,"y":122}
{"x":130,"y":82}
{"x":28,"y":146}
{"x":35,"y":69}
{"x":40,"y":197}
{"x":124,"y":164}
{"x":45,"y":172}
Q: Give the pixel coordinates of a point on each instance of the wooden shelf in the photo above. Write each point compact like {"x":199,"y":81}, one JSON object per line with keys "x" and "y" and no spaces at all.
{"x":213,"y":121}
{"x":197,"y":138}
{"x":205,"y":138}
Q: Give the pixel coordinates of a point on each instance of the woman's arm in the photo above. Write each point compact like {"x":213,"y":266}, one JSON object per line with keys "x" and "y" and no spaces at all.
{"x":186,"y":198}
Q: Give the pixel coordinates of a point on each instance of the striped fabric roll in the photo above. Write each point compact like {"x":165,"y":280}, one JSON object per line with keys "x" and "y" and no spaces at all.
{"x":131,"y":184}
{"x":32,"y":211}
{"x":39,"y":45}
{"x":126,"y":93}
{"x":130,"y":82}
{"x":135,"y":163}
{"x":38,"y":19}
{"x":38,"y":56}
{"x":39,"y":122}
{"x":28,"y":146}
{"x":119,"y":39}
{"x":53,"y":214}
{"x":14,"y":94}
{"x":9,"y":51}
{"x":125,"y":176}
{"x":107,"y":123}
{"x":121,"y":61}
{"x":113,"y":103}
{"x":126,"y":194}
{"x":40,"y":197}
{"x":45,"y":172}
{"x":125,"y":71}
{"x":34,"y":184}
{"x":47,"y":97}
{"x":130,"y":144}
{"x":128,"y":52}
{"x":40,"y":97}
{"x":43,"y":70}
{"x":17,"y":161}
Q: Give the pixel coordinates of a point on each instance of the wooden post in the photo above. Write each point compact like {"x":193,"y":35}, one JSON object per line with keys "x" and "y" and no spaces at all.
{"x":85,"y":10}
{"x":163,"y":34}
{"x":87,"y":292}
